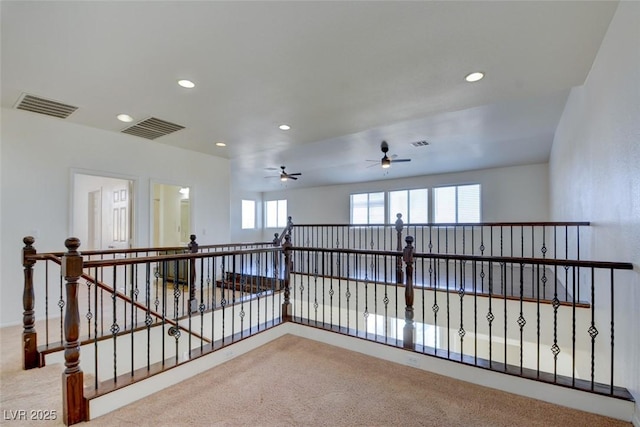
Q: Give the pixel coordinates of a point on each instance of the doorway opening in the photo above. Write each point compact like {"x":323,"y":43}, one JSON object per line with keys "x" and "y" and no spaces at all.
{"x":171,"y":212}
{"x":102,"y":211}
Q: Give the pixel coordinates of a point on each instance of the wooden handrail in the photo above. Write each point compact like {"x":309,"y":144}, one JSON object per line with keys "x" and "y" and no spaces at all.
{"x":51,"y":255}
{"x":458,"y":224}
{"x":173,"y":257}
{"x":482,"y":258}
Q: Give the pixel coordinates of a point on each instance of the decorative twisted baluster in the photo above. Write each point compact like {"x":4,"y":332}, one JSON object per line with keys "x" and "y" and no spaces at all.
{"x":73,"y":401}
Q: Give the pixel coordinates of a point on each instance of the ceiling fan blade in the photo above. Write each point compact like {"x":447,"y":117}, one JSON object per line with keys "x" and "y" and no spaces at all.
{"x":271,"y":176}
{"x":400,"y":160}
{"x":292,"y":177}
{"x":294,"y":174}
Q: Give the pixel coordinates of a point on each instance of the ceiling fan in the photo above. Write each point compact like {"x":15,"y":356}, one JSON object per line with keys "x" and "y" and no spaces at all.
{"x":284,"y":176}
{"x":386,"y":160}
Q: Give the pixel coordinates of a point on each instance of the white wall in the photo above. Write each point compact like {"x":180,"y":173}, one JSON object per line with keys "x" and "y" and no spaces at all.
{"x":518,"y":193}
{"x":595,"y":174}
{"x":39,"y":154}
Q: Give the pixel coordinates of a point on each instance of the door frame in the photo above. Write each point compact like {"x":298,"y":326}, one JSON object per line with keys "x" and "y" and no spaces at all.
{"x":156,"y":181}
{"x":133,"y":195}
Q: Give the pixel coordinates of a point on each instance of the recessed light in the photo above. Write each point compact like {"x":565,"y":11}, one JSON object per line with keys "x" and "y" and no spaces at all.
{"x":186,"y":83}
{"x":125,"y":118}
{"x":220,"y":144}
{"x":284,"y":127}
{"x":474,"y":77}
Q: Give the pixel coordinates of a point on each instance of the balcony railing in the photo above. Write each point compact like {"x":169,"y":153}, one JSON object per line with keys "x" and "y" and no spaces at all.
{"x":125,"y":316}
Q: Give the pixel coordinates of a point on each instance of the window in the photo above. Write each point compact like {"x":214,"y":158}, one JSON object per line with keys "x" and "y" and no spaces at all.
{"x":367,"y":208}
{"x":456,"y":204}
{"x":412,"y":204}
{"x":275,"y":213}
{"x":248,"y":214}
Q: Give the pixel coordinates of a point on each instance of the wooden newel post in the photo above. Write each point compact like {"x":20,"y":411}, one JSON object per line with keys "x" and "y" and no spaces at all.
{"x":30,"y":355}
{"x":193,"y":248}
{"x":399,"y":227}
{"x":74,"y":405}
{"x":409,"y":328}
{"x":286,"y":306}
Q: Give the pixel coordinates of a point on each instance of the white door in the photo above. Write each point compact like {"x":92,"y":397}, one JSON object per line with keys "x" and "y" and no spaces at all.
{"x":102,"y":212}
{"x":116,"y":232}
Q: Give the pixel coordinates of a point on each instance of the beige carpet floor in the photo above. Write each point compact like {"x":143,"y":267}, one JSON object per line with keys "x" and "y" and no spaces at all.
{"x":294,"y":381}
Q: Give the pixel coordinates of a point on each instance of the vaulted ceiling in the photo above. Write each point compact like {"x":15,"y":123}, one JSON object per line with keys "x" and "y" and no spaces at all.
{"x":344,"y":75}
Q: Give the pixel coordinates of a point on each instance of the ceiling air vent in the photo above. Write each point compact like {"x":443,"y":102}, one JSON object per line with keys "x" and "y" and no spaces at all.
{"x":420,"y":143}
{"x":152,"y":128}
{"x":48,"y":107}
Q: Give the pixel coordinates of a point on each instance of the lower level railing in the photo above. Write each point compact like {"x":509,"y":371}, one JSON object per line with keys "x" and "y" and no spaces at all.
{"x":126,"y":319}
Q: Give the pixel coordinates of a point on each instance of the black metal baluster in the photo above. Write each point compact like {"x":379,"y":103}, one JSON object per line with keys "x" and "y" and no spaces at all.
{"x":385,"y":300}
{"x":124,"y":280}
{"x":538,"y":319}
{"x":612,"y":310}
{"x":435,"y":308}
{"x":95,"y":331}
{"x":593,"y":332}
{"x":46,"y":302}
{"x":555,"y":303}
{"x":339,"y":268}
{"x":324,"y":280}
{"x":348,"y":293}
{"x":578,"y":257}
{"x":148,"y":321}
{"x":89,"y":314}
{"x":573,"y":330}
{"x":464,"y":230}
{"x":233,"y":287}
{"x":223,"y":297}
{"x":566,"y":268}
{"x":132,"y":332}
{"x":461,"y":293}
{"x":331,"y":292}
{"x":375,"y":291}
{"x":114,"y":326}
{"x":315,"y":281}
{"x":482,"y":253}
{"x":165,"y":278}
{"x":503,"y":275}
{"x":503,"y":284}
{"x":366,"y":301}
{"x":448,"y":309}
{"x":202,"y":307}
{"x":521,"y":320}
{"x":243,"y":285}
{"x":475,"y":312}
{"x":490,"y":316}
{"x":102,"y":308}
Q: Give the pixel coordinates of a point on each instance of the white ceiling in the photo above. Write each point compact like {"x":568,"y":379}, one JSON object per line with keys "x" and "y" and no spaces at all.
{"x":344,"y":75}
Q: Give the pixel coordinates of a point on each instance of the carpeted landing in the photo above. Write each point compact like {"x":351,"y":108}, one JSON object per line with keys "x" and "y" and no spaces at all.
{"x":294,"y":381}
